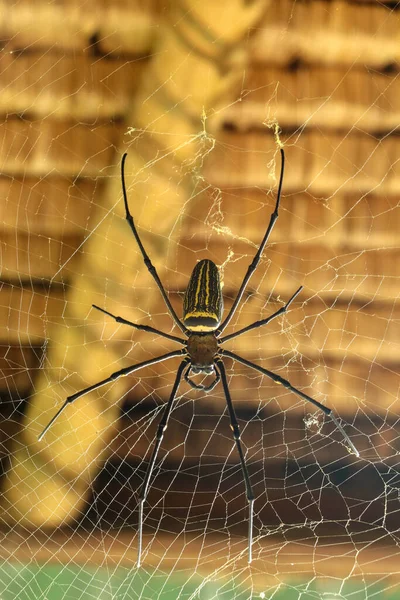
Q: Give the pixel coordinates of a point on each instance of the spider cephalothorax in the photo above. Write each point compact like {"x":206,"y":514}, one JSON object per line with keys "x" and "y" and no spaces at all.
{"x":201,"y":351}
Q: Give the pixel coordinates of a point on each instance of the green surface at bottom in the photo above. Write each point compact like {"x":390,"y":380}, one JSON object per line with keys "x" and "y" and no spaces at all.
{"x":76,"y":582}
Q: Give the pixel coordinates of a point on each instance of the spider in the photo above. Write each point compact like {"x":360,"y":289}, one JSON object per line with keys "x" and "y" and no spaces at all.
{"x":202,"y":352}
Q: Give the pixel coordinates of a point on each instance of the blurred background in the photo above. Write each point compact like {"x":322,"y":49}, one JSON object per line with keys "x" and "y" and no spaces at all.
{"x":200,"y":95}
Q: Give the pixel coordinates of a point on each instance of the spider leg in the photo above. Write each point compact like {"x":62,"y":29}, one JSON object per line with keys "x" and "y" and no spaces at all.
{"x":141,"y":327}
{"x":112,"y":377}
{"x":159,"y":436}
{"x":252,"y":267}
{"x":151,"y":268}
{"x":236,"y":437}
{"x":289,"y":386}
{"x":280,"y":311}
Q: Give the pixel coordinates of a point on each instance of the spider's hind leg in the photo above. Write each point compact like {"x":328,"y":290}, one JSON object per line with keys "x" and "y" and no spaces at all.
{"x":159,"y":436}
{"x":236,"y":437}
{"x":289,"y":386}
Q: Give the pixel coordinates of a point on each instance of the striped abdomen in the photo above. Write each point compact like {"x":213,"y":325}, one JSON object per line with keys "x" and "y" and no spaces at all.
{"x":203,"y":304}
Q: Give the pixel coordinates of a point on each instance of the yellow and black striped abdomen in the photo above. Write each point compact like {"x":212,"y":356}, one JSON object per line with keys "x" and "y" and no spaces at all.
{"x":203,"y":304}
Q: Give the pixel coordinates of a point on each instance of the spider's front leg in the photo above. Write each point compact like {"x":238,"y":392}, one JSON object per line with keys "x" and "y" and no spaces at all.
{"x":257,"y":324}
{"x":159,"y":436}
{"x":150,"y":267}
{"x":148,"y":328}
{"x":253,"y":265}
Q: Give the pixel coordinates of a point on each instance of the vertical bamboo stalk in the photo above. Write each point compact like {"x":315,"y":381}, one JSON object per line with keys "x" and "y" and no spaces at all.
{"x":196,"y":66}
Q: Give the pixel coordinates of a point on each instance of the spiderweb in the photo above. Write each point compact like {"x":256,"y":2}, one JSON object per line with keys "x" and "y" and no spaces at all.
{"x":321,"y":78}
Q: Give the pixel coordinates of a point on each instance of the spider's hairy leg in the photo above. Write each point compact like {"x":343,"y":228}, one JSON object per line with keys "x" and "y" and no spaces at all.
{"x":151,"y":268}
{"x":174,"y":338}
{"x":112,"y":377}
{"x":252,"y":267}
{"x":289,"y":386}
{"x":159,"y":436}
{"x":280,"y":311}
{"x":236,"y":437}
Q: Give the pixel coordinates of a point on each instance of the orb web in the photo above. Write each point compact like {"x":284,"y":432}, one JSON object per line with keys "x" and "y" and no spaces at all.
{"x":326,"y":521}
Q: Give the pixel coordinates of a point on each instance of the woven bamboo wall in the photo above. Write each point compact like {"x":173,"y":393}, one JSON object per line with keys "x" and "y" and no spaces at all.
{"x":67,"y":86}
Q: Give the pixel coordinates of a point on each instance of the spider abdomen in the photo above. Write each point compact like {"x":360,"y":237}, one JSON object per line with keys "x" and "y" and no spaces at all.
{"x":203,"y":303}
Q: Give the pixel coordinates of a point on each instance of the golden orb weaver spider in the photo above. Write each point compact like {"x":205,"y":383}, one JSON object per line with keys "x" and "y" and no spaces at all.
{"x":201,"y":324}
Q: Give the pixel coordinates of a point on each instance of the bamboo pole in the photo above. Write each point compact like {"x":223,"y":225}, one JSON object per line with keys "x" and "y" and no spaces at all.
{"x":197,"y":64}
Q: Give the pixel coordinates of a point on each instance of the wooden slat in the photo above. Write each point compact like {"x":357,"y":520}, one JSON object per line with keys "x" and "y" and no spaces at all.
{"x":26,"y":314}
{"x":43,"y":215}
{"x":129,"y":28}
{"x":344,"y":220}
{"x":322,"y":164}
{"x":328,"y":42}
{"x":360,"y":274}
{"x":40,"y":148}
{"x":368,"y":97}
{"x":77,"y":86}
{"x":245,"y":213}
{"x":269,"y":432}
{"x":349,"y":272}
{"x":371,"y":220}
{"x":18,"y":368}
{"x":31,"y":257}
{"x":52,"y":206}
{"x":119,"y":26}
